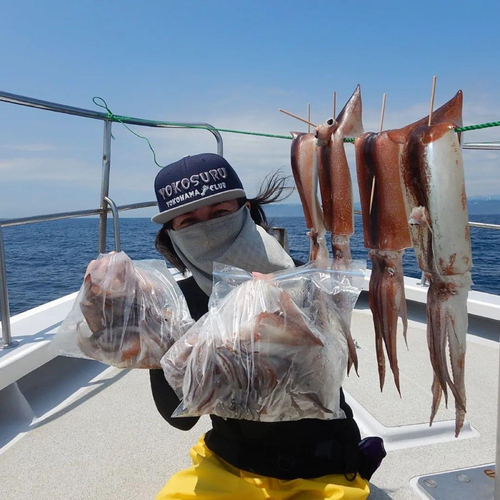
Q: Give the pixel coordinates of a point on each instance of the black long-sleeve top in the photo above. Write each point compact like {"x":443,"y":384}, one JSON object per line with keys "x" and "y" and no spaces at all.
{"x":284,"y":450}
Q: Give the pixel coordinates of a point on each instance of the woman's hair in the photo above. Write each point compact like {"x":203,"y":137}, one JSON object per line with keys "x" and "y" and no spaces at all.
{"x":274,"y":188}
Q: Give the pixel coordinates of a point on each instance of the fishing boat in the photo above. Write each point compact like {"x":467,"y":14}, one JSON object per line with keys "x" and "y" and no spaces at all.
{"x":75,"y":428}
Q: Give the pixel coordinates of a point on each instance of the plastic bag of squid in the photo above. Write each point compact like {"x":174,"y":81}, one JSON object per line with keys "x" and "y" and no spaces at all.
{"x":127,"y":314}
{"x":271,"y":348}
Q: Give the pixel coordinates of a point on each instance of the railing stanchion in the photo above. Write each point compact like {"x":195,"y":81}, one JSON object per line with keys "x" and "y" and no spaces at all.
{"x":106,"y":165}
{"x":423,"y":279}
{"x":4,"y":298}
{"x":116,"y":223}
{"x":497,"y":475}
{"x":281,"y":235}
{"x":218,"y":138}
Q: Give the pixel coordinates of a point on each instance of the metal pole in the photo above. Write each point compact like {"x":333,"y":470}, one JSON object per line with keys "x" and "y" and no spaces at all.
{"x":281,"y":235}
{"x":106,"y":165}
{"x":116,"y":223}
{"x":497,"y":474}
{"x":218,"y":138}
{"x":497,"y":457}
{"x":4,"y":298}
{"x":488,"y":146}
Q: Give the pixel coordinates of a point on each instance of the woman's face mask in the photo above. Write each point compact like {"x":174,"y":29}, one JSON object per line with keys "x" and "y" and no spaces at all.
{"x":232,"y":239}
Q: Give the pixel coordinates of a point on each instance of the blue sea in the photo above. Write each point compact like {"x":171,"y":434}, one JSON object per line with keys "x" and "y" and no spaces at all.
{"x":46,"y":261}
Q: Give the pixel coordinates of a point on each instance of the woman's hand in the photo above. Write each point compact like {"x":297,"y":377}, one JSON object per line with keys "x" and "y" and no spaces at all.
{"x":262,"y":276}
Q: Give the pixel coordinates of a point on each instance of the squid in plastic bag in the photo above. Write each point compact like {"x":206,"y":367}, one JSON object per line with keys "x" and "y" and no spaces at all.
{"x":127,"y":314}
{"x":270,"y":349}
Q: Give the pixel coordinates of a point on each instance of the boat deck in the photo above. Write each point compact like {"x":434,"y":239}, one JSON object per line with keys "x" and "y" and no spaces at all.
{"x":76,"y":429}
{"x":414,"y":448}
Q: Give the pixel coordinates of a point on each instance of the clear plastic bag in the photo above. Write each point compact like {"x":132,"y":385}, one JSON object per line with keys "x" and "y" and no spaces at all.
{"x":268,"y":350}
{"x":127,"y":314}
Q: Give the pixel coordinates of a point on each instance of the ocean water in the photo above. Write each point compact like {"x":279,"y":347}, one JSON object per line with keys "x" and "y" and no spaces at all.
{"x":46,"y":261}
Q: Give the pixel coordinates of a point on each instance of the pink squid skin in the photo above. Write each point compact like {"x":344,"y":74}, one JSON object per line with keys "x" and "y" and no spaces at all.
{"x":447,"y":301}
{"x":450,"y":111}
{"x":334,"y":175}
{"x":276,"y":328}
{"x":323,"y":134}
{"x":286,"y":326}
{"x":336,"y":188}
{"x":432,"y":173}
{"x":387,"y":301}
{"x":385,"y":227}
{"x":242,"y":374}
{"x":125,"y":331}
{"x":304,"y":169}
{"x":386,"y":234}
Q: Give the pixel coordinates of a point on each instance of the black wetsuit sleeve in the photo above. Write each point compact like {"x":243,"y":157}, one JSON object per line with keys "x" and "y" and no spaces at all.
{"x":164,"y":396}
{"x":166,"y":401}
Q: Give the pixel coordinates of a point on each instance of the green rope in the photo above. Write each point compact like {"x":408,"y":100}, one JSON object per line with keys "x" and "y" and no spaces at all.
{"x":120,"y":119}
{"x":260,"y":134}
{"x":477,"y":127}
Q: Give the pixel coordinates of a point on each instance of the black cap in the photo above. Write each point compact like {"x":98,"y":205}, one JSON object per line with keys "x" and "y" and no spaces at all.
{"x":194,"y":182}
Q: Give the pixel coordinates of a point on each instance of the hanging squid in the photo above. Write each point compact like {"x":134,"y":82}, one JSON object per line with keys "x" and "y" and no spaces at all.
{"x":321,"y":157}
{"x":433,"y":180}
{"x":386,"y":231}
{"x":305,"y":172}
{"x":386,"y":234}
{"x":334,"y":176}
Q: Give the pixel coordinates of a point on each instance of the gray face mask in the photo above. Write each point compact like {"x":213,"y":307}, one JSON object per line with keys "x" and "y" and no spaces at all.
{"x":235,"y":240}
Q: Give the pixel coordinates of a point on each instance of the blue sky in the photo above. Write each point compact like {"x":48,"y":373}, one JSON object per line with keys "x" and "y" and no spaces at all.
{"x":232,"y":64}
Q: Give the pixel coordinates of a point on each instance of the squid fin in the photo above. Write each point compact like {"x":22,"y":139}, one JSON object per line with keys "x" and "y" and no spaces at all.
{"x":349,"y":119}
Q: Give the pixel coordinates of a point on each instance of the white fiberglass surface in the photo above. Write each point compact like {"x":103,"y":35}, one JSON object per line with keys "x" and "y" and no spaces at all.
{"x":97,"y":433}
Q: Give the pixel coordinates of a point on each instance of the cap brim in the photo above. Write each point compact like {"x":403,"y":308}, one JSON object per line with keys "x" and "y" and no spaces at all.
{"x":168,"y":215}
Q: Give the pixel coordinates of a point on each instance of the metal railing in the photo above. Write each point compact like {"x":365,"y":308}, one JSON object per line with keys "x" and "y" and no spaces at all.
{"x":481,"y":225}
{"x":105,"y":201}
{"x":96,"y":115}
{"x":4,"y":296}
{"x":486,"y":146}
{"x":116,"y":223}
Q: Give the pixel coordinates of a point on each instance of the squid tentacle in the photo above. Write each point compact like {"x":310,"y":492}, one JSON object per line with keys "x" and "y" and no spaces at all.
{"x":387,"y":302}
{"x":437,"y":393}
{"x":373,"y":300}
{"x":447,"y":309}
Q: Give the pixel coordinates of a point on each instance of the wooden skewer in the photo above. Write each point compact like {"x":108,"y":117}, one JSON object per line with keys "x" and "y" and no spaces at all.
{"x":433,"y":93}
{"x":334,"y":105}
{"x":296,"y":117}
{"x":382,"y":113}
{"x":309,"y":118}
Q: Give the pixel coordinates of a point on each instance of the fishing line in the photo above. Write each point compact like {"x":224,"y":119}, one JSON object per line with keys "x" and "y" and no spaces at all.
{"x":120,"y":119}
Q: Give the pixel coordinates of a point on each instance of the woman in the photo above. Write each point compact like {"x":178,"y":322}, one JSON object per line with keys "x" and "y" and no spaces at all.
{"x":206,"y":217}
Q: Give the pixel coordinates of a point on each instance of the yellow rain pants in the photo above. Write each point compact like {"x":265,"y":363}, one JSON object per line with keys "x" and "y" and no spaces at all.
{"x":210,"y":478}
